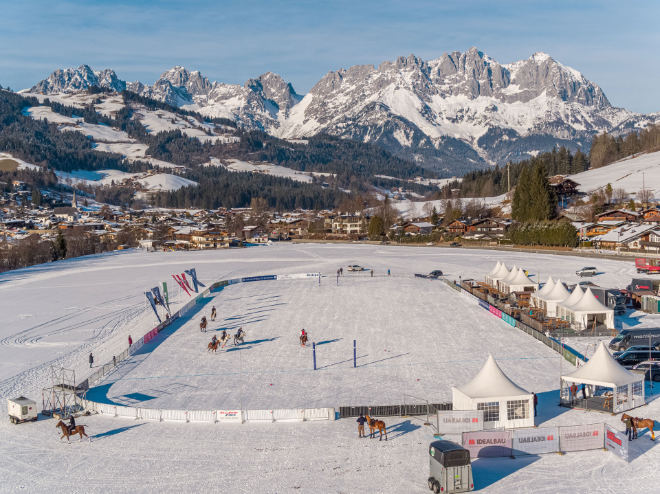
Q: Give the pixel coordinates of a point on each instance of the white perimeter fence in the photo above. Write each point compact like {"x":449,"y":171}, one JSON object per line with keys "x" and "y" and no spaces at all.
{"x":212,"y":416}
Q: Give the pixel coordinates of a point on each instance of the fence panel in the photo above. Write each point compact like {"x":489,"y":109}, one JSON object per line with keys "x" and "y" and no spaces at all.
{"x":581,"y":437}
{"x":455,"y":421}
{"x":288,"y":415}
{"x":535,"y":441}
{"x":487,"y":443}
{"x":235,"y":416}
{"x":127,"y":412}
{"x":258,"y":415}
{"x":616,"y":442}
{"x":206,"y":416}
{"x":318,"y":414}
{"x":149,"y":414}
{"x":174,"y":415}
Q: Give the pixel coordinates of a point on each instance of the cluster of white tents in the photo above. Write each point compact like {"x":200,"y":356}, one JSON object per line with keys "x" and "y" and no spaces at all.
{"x":580,"y":307}
{"x":508,"y":281}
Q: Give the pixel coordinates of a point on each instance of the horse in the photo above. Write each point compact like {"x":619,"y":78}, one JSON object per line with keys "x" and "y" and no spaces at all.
{"x":79,"y":429}
{"x":303,"y":339}
{"x":213,"y":346}
{"x":202,"y":325}
{"x":224,"y":339}
{"x":239,"y":339}
{"x":376,"y":424}
{"x":639,"y":423}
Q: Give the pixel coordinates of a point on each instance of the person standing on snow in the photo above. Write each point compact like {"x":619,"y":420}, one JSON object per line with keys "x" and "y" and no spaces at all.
{"x":213,"y":313}
{"x":360,"y":421}
{"x":91,"y":360}
{"x":130,"y":341}
{"x":536,"y":402}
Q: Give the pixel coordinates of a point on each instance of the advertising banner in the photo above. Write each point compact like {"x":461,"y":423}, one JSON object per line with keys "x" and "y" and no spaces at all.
{"x":484,"y":304}
{"x":166,"y":295}
{"x":180,"y":282}
{"x":535,"y":441}
{"x":616,"y":442}
{"x":247,"y":279}
{"x":229,"y":416}
{"x":581,"y":437}
{"x":193,"y":276}
{"x":455,"y":421}
{"x":495,"y":311}
{"x":487,"y":443}
{"x":508,"y":319}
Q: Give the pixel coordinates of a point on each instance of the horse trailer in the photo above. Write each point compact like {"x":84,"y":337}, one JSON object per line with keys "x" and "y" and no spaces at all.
{"x":451,"y":470}
{"x":21,"y":409}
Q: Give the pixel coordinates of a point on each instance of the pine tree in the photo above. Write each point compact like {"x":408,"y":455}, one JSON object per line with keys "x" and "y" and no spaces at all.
{"x":376,"y":227}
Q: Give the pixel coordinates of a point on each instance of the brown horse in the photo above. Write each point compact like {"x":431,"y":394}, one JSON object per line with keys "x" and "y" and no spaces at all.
{"x":376,"y":424}
{"x":79,"y":429}
{"x":202,"y":325}
{"x":303,"y":339}
{"x":639,"y":423}
{"x":212,"y":347}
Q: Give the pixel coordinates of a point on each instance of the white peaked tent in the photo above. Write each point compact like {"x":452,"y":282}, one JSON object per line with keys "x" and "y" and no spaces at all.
{"x":558,"y":294}
{"x":611,"y":387}
{"x":538,"y":294}
{"x":493,"y":277}
{"x":588,"y":310}
{"x":574,"y":298}
{"x":518,"y":282}
{"x":505,"y":404}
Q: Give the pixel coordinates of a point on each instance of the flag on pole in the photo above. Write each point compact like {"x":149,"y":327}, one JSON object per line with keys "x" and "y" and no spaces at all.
{"x":183,"y":277}
{"x":193,"y":277}
{"x":159,"y":298}
{"x":153,"y":304}
{"x":167,"y":297}
{"x":180,"y":282}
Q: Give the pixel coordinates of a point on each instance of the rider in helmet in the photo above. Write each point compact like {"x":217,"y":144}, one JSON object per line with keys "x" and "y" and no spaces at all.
{"x":214,"y":340}
{"x":239,"y":334}
{"x":72,"y":424}
{"x":213,"y":313}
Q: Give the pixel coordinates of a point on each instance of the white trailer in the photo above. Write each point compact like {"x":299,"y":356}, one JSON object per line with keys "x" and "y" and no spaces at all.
{"x":21,"y":409}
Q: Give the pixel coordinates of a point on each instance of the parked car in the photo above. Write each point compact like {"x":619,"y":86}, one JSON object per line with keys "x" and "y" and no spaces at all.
{"x":587,"y":271}
{"x":636,"y":337}
{"x":650,"y":368}
{"x":435,"y":274}
{"x":631,"y":358}
{"x":455,"y":244}
{"x":356,"y":267}
{"x":634,"y":348}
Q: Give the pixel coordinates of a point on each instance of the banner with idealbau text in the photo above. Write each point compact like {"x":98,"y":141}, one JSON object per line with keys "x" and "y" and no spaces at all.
{"x":455,"y":421}
{"x":581,"y":437}
{"x":535,"y":441}
{"x":616,"y":442}
{"x":487,"y":443}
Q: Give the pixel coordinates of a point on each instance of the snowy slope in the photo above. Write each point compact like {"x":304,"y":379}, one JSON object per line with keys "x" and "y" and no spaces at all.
{"x":165,"y":181}
{"x":21,"y":165}
{"x":629,"y":174}
{"x":93,"y":303}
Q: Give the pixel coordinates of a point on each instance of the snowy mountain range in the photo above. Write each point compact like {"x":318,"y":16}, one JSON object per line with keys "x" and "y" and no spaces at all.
{"x":461,"y":111}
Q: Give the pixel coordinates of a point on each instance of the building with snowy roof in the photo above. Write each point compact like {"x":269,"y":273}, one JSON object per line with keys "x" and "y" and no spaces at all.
{"x":504,"y":403}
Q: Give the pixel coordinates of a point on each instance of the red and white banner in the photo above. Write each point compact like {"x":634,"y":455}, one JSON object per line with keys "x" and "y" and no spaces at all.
{"x":581,"y":437}
{"x":150,"y":335}
{"x":180,"y":282}
{"x":495,"y":311}
{"x":229,"y":416}
{"x":487,"y":443}
{"x":455,"y":421}
{"x":617,"y":442}
{"x":535,"y":441}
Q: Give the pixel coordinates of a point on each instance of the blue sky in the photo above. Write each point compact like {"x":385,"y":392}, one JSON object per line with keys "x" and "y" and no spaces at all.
{"x":615,"y":44}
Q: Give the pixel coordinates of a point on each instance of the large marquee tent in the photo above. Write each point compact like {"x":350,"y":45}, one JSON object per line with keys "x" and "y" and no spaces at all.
{"x":498,"y":273}
{"x":573,"y":299}
{"x":588,"y":311}
{"x":550,"y":300}
{"x":504,"y":403}
{"x":538,"y":294}
{"x":517,"y":281}
{"x":608,"y":386}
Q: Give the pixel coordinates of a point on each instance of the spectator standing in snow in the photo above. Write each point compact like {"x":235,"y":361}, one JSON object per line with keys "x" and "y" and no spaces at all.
{"x":360,"y":421}
{"x":91,"y":360}
{"x":130,"y":341}
{"x":629,"y":428}
{"x":536,"y":402}
{"x":372,"y":273}
{"x":388,"y":271}
{"x":574,"y":390}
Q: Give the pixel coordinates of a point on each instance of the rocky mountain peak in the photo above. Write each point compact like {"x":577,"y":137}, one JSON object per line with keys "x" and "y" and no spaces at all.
{"x":274,"y":88}
{"x":78,"y":79}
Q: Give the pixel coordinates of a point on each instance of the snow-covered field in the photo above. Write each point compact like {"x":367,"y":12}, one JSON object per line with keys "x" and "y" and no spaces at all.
{"x":414,"y":336}
{"x":20,"y":164}
{"x":235,"y":165}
